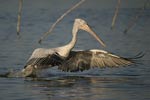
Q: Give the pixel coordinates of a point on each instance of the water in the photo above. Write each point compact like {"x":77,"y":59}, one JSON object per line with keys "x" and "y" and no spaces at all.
{"x":127,"y":83}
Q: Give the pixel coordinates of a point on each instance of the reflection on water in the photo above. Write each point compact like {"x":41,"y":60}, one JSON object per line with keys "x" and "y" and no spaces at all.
{"x":87,"y":87}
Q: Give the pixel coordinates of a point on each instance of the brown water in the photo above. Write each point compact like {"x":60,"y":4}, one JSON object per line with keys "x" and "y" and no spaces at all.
{"x":128,"y":83}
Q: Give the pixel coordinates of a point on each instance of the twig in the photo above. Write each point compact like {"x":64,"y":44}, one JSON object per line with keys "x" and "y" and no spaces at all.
{"x":133,"y":22}
{"x":115,"y":14}
{"x":19,"y":16}
{"x":59,"y":19}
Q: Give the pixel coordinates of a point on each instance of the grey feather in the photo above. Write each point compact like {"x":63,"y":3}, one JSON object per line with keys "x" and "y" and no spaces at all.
{"x":44,"y":62}
{"x":84,"y":60}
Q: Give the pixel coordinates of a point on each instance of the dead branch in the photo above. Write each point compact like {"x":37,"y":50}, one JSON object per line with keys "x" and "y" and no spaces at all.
{"x":133,"y":21}
{"x":19,"y":17}
{"x":115,"y":14}
{"x":59,"y":19}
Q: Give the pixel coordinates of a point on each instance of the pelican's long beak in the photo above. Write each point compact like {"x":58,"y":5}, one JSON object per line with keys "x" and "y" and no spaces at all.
{"x":85,"y":27}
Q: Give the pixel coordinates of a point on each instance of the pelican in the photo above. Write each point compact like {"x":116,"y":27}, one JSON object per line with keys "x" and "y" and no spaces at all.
{"x":42,"y":58}
{"x":71,"y":60}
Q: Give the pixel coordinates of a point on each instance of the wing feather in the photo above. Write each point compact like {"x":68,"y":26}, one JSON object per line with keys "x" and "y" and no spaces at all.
{"x":106,"y":59}
{"x":45,"y":61}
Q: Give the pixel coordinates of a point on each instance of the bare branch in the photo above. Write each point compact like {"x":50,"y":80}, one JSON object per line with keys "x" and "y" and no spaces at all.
{"x":133,"y":21}
{"x":59,"y":19}
{"x":19,"y":16}
{"x":115,"y":14}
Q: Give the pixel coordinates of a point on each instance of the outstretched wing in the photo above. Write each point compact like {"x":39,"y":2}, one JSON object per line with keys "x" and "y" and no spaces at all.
{"x":42,"y":59}
{"x":84,"y":60}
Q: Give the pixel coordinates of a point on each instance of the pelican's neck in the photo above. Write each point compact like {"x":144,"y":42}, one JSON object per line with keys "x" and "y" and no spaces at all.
{"x":72,"y":43}
{"x":65,"y":50}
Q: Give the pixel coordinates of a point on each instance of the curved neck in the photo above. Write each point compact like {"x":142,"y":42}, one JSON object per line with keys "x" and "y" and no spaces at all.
{"x":65,"y":50}
{"x":72,"y":43}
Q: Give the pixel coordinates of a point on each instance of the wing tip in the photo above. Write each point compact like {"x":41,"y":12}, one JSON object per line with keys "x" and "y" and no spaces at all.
{"x":136,"y":59}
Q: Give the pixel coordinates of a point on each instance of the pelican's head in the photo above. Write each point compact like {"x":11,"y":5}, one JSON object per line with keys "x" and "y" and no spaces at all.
{"x":82,"y":24}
